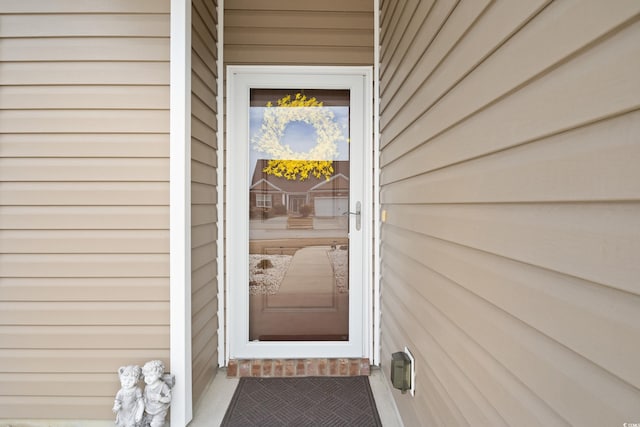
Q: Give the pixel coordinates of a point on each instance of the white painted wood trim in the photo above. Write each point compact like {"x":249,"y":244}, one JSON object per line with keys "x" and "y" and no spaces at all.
{"x":222,"y":338}
{"x":180,"y":211}
{"x":376,"y":184}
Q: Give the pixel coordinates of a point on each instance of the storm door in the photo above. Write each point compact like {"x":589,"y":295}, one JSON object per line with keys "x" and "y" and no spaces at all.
{"x":298,"y":211}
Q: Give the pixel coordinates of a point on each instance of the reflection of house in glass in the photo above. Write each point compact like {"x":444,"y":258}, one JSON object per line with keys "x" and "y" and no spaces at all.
{"x":327,"y":198}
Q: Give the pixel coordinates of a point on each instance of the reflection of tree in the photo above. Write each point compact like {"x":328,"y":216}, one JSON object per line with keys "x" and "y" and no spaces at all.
{"x":299,"y":169}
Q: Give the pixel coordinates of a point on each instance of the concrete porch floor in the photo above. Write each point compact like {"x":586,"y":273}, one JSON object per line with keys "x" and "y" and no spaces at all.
{"x":213,"y":405}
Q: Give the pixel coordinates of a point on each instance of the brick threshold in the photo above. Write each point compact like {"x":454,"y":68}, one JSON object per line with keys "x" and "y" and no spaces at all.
{"x":338,"y":367}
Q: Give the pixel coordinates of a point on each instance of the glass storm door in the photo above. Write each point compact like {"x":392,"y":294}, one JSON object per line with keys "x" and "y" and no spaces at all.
{"x":297,"y":211}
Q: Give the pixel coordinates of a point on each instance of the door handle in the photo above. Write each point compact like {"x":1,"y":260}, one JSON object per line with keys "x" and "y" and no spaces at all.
{"x":357,"y":213}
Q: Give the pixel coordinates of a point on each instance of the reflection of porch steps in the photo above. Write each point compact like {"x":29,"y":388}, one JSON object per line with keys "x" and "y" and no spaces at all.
{"x":300,"y":223}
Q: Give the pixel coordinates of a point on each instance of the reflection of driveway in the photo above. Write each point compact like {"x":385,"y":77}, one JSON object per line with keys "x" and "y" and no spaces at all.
{"x":276,"y":228}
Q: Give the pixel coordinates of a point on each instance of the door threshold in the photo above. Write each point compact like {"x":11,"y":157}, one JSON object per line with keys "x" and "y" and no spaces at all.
{"x":307,"y":367}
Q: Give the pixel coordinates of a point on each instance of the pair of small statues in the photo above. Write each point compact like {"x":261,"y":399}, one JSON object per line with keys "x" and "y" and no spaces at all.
{"x":135,"y":408}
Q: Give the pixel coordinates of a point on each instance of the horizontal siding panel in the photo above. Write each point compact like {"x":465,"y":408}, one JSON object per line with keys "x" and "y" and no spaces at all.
{"x":207,"y":15}
{"x":565,"y":167}
{"x":84,"y":49}
{"x":203,"y":173}
{"x":203,"y":214}
{"x":203,"y":190}
{"x":296,"y":37}
{"x":84,"y":193}
{"x":201,"y":88}
{"x":77,"y":360}
{"x":67,"y":97}
{"x":67,"y":407}
{"x":84,"y":313}
{"x":205,"y":362}
{"x":85,"y":121}
{"x":84,"y":145}
{"x":56,"y":384}
{"x":204,"y":295}
{"x":84,"y":265}
{"x":203,"y":275}
{"x":84,"y":288}
{"x":433,"y":47}
{"x":391,"y":28}
{"x":203,"y":319}
{"x":205,"y":366}
{"x":574,"y":313}
{"x":203,"y":113}
{"x":75,"y":25}
{"x":203,"y":194}
{"x":203,"y":234}
{"x":204,"y":51}
{"x":205,"y":153}
{"x":441,"y":376}
{"x":392,"y":32}
{"x":84,"y":217}
{"x":203,"y":255}
{"x":568,"y":382}
{"x":302,"y":5}
{"x":203,"y":127}
{"x":448,"y":347}
{"x":508,"y":134}
{"x":389,"y":11}
{"x":84,"y":169}
{"x":426,"y":19}
{"x":204,"y":73}
{"x":595,"y":242}
{"x":203,"y":131}
{"x":85,"y":73}
{"x":84,"y":241}
{"x":70,"y":337}
{"x":295,"y":55}
{"x":85,"y":6}
{"x":555,"y":102}
{"x":204,"y":339}
{"x":428,"y":82}
{"x":432,"y":396}
{"x":302,"y":20}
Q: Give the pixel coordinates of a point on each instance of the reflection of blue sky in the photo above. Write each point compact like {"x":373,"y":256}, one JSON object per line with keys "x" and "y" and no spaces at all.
{"x":299,"y":136}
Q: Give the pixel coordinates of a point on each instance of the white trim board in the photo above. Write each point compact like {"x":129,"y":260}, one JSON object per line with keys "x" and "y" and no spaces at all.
{"x":180,"y":211}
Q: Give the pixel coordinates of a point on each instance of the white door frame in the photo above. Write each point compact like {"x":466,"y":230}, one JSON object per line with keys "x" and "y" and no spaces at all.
{"x":239,"y":80}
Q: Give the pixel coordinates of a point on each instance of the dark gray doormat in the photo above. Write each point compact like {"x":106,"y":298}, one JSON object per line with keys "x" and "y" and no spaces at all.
{"x":302,"y":401}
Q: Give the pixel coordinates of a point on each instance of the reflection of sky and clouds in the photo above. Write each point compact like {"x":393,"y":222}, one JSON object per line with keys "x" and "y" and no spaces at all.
{"x":298,"y":135}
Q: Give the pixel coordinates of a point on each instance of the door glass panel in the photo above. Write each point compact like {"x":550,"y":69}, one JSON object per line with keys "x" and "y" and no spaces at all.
{"x":299,"y":215}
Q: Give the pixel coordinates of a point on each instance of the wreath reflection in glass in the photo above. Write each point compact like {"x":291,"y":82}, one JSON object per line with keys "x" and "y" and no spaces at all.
{"x":290,"y":164}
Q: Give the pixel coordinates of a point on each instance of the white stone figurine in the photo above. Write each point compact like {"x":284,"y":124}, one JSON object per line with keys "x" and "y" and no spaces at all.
{"x":157,"y":393}
{"x":129,"y":405}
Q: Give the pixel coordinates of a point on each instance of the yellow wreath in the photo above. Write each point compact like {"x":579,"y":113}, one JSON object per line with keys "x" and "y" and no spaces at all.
{"x":300,"y":109}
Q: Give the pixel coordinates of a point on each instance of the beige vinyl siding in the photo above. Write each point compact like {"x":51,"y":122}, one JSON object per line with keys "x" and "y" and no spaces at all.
{"x":84,"y":171}
{"x":298,"y":32}
{"x":509,"y":134}
{"x":204,"y":161}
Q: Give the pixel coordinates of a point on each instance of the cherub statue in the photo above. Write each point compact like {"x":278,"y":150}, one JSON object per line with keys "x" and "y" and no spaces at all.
{"x":129,"y":405}
{"x":157,"y":393}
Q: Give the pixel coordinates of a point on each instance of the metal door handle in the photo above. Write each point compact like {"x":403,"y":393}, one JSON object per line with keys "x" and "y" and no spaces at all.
{"x":358,"y":215}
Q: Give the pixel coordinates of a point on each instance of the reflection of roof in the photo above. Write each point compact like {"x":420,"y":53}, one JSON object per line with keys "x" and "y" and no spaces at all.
{"x":264,"y":182}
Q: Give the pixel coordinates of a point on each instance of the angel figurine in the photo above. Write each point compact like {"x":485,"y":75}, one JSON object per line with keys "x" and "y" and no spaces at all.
{"x":157,"y":393}
{"x":129,"y":404}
